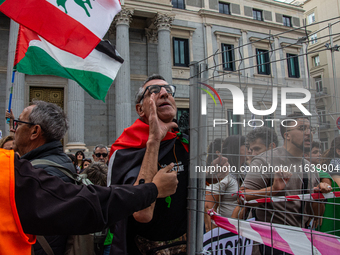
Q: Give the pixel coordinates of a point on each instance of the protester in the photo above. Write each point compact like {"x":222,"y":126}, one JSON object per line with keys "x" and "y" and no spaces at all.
{"x":86,"y":163}
{"x":73,"y":160}
{"x":100,"y":153}
{"x":10,"y":116}
{"x":258,"y":140}
{"x":38,"y":132}
{"x":97,"y":173}
{"x":221,"y":195}
{"x":166,"y":220}
{"x":46,"y":205}
{"x":79,"y":160}
{"x":313,"y":153}
{"x":214,"y":151}
{"x":7,"y":142}
{"x":330,"y":168}
{"x":261,"y":181}
{"x":234,"y":149}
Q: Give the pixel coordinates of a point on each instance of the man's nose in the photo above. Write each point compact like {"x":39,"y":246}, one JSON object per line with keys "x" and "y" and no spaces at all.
{"x":163,"y":93}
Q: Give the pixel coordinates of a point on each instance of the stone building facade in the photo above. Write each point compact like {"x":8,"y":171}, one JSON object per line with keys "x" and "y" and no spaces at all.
{"x":164,"y":37}
{"x":324,"y":64}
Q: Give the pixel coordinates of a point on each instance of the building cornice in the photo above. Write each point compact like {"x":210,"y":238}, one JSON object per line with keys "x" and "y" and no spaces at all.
{"x":254,"y":23}
{"x":281,"y":4}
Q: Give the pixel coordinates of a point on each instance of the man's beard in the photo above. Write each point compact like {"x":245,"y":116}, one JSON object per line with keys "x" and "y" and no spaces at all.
{"x":301,"y":146}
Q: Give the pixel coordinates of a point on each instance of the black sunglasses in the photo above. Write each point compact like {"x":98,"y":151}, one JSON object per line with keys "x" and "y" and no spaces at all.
{"x":16,"y":123}
{"x":101,"y":154}
{"x":171,"y":89}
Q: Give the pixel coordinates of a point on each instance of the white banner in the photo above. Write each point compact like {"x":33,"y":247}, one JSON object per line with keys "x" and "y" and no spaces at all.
{"x":220,"y":241}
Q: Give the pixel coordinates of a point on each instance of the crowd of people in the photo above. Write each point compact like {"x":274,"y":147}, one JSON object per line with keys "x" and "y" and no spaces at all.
{"x":140,"y":185}
{"x":297,"y":167}
{"x":48,"y":204}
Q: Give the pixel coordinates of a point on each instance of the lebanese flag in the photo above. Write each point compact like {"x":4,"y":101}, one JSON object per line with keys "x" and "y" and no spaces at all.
{"x":95,"y":73}
{"x":71,"y":25}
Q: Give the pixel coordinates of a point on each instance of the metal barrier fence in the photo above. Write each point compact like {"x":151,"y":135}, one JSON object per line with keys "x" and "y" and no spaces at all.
{"x":238,"y":90}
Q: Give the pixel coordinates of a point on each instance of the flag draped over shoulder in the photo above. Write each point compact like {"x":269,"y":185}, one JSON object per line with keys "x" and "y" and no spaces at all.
{"x":95,"y":73}
{"x":131,"y":144}
{"x":71,"y":25}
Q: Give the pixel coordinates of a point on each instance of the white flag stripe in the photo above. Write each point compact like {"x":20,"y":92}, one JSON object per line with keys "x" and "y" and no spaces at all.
{"x":95,"y":62}
{"x":306,"y":197}
{"x":246,"y":230}
{"x":102,"y":12}
{"x":297,"y":241}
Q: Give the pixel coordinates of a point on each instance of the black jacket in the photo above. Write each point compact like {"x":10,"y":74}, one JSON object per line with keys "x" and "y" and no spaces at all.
{"x":52,"y":151}
{"x":46,"y":205}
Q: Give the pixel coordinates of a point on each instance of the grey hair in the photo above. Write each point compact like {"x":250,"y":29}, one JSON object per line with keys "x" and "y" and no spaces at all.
{"x":97,"y":173}
{"x":51,"y":118}
{"x":266,"y":134}
{"x":141,"y":88}
{"x":100,"y":146}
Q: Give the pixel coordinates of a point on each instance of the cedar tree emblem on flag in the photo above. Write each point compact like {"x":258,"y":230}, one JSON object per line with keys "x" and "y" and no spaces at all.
{"x":63,"y":23}
{"x":95,"y":73}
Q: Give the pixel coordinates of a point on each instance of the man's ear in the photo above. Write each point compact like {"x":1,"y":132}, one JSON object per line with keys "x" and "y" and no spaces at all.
{"x":286,"y":135}
{"x":139,"y":109}
{"x":337,"y":151}
{"x":36,"y":132}
{"x":272,"y":146}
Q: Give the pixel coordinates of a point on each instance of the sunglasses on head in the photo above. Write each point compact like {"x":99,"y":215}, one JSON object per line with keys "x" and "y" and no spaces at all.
{"x":101,"y":154}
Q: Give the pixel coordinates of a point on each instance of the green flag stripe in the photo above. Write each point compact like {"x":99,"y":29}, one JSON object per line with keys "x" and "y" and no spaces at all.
{"x":38,"y":62}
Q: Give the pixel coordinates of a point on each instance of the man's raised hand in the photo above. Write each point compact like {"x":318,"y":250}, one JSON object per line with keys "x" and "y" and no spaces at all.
{"x":157,"y":128}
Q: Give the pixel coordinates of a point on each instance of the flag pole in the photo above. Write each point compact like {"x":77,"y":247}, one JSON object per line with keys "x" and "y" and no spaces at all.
{"x":10,"y":97}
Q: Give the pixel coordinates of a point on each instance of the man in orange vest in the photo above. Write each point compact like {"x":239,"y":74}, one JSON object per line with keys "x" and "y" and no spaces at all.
{"x":35,"y":203}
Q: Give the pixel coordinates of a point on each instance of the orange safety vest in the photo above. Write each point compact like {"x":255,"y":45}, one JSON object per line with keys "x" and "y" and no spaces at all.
{"x":13,"y":239}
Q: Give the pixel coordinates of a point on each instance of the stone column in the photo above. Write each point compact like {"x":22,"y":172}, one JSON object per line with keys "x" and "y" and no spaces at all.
{"x":152,"y":39}
{"x":18,"y":97}
{"x":245,"y":50}
{"x":279,"y":73}
{"x":209,"y":48}
{"x":75,"y":115}
{"x":163,"y":23}
{"x":122,"y":83}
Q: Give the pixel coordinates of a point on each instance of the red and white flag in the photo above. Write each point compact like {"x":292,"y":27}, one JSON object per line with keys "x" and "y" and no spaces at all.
{"x":94,"y":74}
{"x":307,"y":197}
{"x":293,"y":240}
{"x":75,"y":26}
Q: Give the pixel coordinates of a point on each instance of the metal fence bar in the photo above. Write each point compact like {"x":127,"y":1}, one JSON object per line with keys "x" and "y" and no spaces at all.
{"x":192,"y":191}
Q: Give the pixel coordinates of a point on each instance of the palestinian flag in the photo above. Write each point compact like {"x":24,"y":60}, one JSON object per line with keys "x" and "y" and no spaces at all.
{"x":95,"y":73}
{"x":170,"y":213}
{"x":132,"y":144}
{"x":71,"y":25}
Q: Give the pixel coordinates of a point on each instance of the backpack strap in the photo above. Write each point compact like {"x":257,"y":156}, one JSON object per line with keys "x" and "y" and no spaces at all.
{"x":44,"y":244}
{"x":77,"y":178}
{"x":61,"y":168}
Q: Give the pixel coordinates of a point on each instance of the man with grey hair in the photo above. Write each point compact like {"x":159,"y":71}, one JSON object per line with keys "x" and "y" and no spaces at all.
{"x":38,"y":132}
{"x":100,"y":153}
{"x":165,"y":221}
